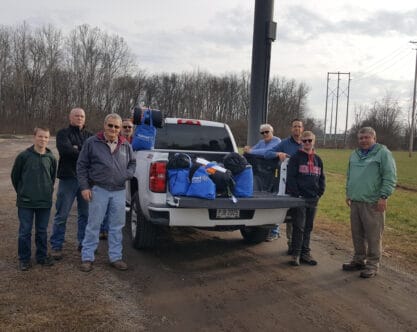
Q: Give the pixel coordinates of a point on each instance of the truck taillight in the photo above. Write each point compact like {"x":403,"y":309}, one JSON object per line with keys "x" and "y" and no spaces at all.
{"x":189,"y":122}
{"x":157,"y":177}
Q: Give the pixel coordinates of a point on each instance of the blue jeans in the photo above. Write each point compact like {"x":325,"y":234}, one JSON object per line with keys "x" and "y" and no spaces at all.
{"x":25,"y":233}
{"x":112,"y":202}
{"x":68,"y":190}
{"x":276,"y":230}
{"x":104,"y":228}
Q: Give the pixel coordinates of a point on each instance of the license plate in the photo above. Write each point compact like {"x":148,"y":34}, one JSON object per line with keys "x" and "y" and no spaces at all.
{"x":227,"y":213}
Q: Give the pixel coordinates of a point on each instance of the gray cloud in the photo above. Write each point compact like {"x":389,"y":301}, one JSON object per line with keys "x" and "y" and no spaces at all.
{"x":382,"y":23}
{"x":303,"y":24}
{"x":226,"y":33}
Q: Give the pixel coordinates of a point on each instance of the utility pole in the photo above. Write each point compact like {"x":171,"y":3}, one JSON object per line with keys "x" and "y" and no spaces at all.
{"x":337,"y":109}
{"x":413,"y":113}
{"x":339,"y":92}
{"x":331,"y":117}
{"x":347,"y":110}
{"x":325,"y":112}
{"x":264,"y":33}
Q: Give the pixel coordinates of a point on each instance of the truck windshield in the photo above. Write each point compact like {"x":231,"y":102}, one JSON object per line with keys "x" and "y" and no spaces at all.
{"x":193,"y":137}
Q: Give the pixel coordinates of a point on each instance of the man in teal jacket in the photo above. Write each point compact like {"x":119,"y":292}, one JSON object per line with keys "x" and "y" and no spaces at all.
{"x":371,"y":179}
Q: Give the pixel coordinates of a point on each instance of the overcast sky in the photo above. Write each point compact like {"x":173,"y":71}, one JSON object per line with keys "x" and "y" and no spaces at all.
{"x":368,"y":38}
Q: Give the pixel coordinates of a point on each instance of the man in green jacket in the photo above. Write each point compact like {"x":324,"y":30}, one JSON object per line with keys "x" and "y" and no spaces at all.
{"x":33,"y":177}
{"x":371,"y":179}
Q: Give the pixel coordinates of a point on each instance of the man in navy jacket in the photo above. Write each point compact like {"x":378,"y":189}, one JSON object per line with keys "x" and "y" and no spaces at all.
{"x":287,"y":148}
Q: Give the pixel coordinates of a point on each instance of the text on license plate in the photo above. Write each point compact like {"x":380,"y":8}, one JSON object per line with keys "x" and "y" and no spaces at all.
{"x":227,"y":213}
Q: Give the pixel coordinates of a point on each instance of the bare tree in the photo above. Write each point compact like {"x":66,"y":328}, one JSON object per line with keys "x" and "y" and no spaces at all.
{"x":384,"y":117}
{"x":287,"y":101}
{"x":43,"y":74}
{"x":5,"y":70}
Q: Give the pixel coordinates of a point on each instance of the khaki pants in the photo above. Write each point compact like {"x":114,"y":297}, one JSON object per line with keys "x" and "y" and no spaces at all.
{"x":367,"y":225}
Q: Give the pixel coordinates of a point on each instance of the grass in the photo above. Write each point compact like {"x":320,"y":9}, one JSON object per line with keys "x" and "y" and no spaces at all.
{"x":400,"y":236}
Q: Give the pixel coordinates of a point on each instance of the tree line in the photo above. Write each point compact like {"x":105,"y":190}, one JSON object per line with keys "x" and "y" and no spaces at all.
{"x":385,"y":116}
{"x":44,"y":73}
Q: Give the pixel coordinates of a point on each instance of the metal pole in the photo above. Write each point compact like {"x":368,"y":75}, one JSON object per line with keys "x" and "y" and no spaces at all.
{"x":264,"y":32}
{"x":337,"y":108}
{"x":331,"y":116}
{"x":410,"y":150}
{"x":325,"y":112}
{"x":347,"y":111}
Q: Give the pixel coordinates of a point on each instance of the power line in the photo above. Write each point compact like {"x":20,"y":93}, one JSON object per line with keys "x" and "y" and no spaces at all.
{"x":387,"y":58}
{"x":379,"y":71}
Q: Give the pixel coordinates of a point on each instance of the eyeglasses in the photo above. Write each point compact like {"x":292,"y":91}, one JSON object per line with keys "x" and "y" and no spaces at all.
{"x":265,"y":132}
{"x":307,"y":140}
{"x":125,"y":127}
{"x":111,"y":125}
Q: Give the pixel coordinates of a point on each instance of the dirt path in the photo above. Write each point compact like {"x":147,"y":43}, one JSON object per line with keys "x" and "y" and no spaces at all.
{"x":196,"y":280}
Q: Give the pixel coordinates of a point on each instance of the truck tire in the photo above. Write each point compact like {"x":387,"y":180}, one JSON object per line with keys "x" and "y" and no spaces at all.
{"x":254,"y":235}
{"x":142,"y":231}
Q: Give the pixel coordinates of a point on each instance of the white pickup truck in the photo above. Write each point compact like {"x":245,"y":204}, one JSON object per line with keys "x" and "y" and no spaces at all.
{"x":150,"y":205}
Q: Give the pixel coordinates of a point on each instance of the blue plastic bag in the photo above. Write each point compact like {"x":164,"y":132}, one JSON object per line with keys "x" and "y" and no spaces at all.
{"x":144,"y":137}
{"x":244,"y":183}
{"x":201,"y":185}
{"x":179,"y":181}
{"x":178,"y":174}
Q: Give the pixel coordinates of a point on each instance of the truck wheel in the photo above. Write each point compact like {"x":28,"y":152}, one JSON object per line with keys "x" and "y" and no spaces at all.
{"x":143,"y":232}
{"x":254,"y":235}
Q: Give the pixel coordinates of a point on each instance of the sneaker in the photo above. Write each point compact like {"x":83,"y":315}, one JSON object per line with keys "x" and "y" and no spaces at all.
{"x":308,"y":259}
{"x":47,"y":261}
{"x":119,"y":265}
{"x":86,"y":266}
{"x":24,"y":266}
{"x":278,"y":231}
{"x":56,"y":254}
{"x":272,"y":237}
{"x":103,"y":235}
{"x":295,"y":261}
{"x":368,"y":273}
{"x":353,"y":266}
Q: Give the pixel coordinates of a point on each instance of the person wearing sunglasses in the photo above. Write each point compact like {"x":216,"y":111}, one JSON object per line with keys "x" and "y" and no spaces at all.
{"x":127,"y":132}
{"x":105,"y":163}
{"x":305,"y":179}
{"x":127,"y":129}
{"x":267,"y":142}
